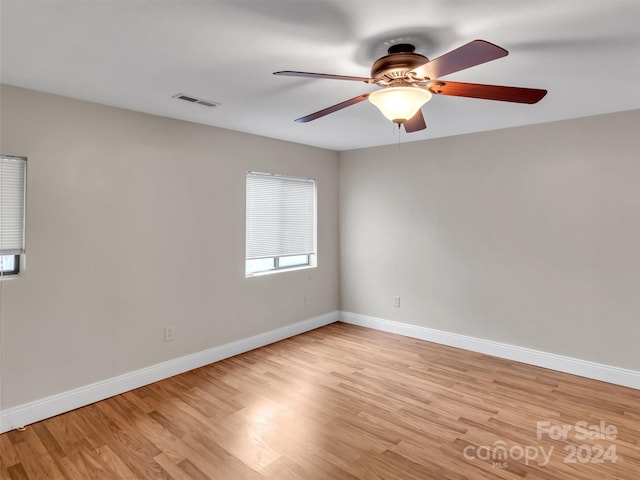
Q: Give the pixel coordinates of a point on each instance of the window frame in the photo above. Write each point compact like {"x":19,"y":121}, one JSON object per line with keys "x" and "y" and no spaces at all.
{"x":311,"y":258}
{"x":17,"y":257}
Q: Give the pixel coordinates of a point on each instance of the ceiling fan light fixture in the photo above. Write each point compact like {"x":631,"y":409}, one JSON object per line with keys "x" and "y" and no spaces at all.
{"x":399,"y":104}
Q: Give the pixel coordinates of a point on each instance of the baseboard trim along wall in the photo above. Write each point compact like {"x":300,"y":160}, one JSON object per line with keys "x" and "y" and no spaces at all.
{"x":66,"y":401}
{"x":583,"y":368}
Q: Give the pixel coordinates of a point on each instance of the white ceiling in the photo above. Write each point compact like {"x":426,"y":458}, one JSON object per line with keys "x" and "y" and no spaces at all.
{"x":137,"y":54}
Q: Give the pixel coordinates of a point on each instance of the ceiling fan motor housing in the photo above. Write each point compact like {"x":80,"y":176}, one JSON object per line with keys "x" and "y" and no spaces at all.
{"x":400,"y":60}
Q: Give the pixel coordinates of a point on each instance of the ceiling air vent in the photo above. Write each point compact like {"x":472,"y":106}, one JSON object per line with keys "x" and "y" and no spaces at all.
{"x":199,"y":101}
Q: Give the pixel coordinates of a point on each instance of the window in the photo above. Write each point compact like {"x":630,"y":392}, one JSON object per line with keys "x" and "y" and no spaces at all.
{"x":12,"y":188}
{"x":281,"y":223}
{"x":9,"y":264}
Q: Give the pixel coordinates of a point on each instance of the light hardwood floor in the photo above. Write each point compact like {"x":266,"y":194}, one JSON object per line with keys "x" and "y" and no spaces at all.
{"x":341,"y":402}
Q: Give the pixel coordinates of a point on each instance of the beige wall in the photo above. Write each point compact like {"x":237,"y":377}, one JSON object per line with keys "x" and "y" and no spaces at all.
{"x":528,"y":236}
{"x":135,"y":222}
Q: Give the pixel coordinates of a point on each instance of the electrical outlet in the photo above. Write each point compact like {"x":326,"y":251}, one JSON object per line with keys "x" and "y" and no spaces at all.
{"x":307,"y":300}
{"x":396,"y":302}
{"x":168,"y":334}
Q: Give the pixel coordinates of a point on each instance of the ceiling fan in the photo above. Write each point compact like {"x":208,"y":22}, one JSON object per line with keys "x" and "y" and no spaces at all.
{"x":409,"y":79}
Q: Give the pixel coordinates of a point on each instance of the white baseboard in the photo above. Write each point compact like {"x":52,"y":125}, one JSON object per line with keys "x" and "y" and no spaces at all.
{"x":66,"y":401}
{"x":583,"y":368}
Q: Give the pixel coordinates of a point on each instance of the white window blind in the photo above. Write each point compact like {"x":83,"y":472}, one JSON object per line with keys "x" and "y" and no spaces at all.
{"x":280,"y":216}
{"x":12,"y":181}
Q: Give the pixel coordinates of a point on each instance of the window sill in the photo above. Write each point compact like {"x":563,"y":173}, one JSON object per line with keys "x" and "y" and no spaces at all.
{"x":279,"y":270}
{"x":13,"y":276}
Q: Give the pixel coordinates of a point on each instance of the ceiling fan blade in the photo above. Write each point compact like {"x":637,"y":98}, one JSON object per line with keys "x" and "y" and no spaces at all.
{"x":489,"y":92}
{"x":289,"y":73}
{"x":334,"y":108}
{"x":415,"y":123}
{"x":469,"y":55}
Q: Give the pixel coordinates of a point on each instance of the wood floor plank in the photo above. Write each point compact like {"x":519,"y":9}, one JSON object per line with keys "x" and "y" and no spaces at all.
{"x":173,"y":469}
{"x":341,"y":403}
{"x":8,"y":455}
{"x":115,"y":463}
{"x":17,"y":472}
{"x":35,"y":459}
